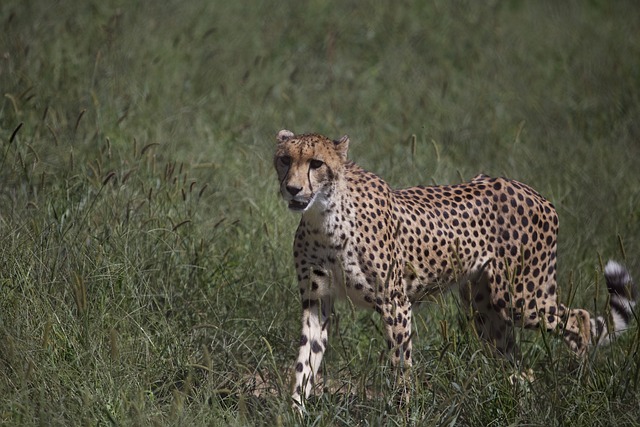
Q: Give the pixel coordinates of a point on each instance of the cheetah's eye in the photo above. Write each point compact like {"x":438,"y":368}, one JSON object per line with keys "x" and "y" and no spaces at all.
{"x":315,"y":164}
{"x":285,"y":160}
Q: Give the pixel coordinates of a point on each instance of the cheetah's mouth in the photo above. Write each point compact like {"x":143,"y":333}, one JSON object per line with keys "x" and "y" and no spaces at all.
{"x":297,"y":206}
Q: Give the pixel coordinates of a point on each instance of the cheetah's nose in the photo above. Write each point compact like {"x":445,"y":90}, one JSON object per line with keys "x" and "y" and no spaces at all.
{"x":293,"y":190}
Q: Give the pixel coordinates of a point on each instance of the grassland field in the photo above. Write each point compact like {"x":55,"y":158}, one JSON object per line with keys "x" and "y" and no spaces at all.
{"x":146,"y":276}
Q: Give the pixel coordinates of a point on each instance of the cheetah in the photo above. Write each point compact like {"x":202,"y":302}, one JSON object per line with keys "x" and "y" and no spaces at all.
{"x":385,"y":249}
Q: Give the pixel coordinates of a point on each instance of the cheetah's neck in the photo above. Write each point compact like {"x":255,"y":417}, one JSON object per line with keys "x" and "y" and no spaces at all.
{"x":336,"y":211}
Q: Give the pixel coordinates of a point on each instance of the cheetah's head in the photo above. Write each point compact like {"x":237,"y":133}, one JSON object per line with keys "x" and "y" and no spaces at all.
{"x":308,"y":167}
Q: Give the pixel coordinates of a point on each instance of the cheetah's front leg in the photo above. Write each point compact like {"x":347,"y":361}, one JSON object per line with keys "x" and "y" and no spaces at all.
{"x":397,"y":320}
{"x":313,"y":343}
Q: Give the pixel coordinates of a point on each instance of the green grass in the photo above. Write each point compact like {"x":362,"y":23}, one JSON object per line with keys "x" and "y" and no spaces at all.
{"x":145,"y":268}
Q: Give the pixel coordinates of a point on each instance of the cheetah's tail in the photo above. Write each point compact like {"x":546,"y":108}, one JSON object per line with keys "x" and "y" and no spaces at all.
{"x":622,"y":294}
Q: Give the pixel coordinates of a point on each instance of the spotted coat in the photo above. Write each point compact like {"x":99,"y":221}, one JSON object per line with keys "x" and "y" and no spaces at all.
{"x":384,"y":249}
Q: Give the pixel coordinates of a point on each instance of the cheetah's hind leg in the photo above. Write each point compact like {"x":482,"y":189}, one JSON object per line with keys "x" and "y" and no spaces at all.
{"x":492,"y":327}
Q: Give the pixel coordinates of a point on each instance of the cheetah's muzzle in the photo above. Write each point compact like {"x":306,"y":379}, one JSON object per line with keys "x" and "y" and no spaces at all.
{"x":297,"y":206}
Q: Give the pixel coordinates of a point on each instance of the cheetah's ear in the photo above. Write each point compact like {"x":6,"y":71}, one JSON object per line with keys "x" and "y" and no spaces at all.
{"x":285,"y":135}
{"x":342,"y":146}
